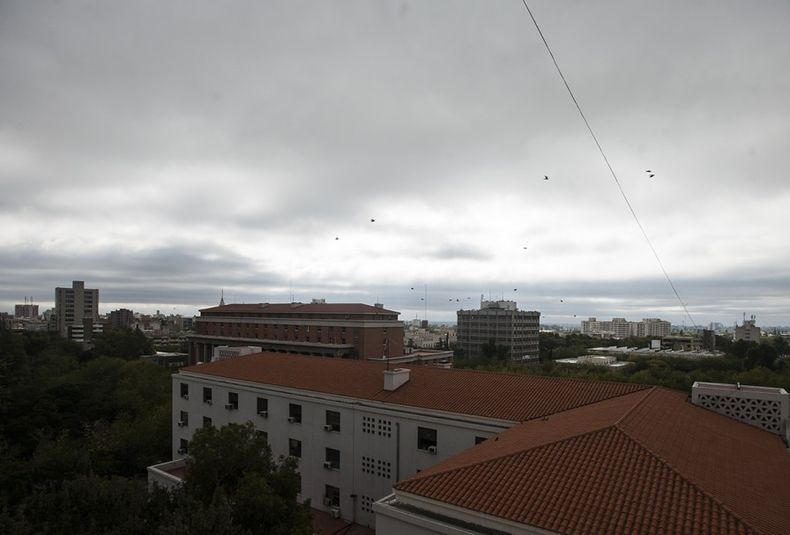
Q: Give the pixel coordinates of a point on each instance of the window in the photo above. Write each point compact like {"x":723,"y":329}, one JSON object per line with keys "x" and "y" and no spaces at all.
{"x":185,"y":390}
{"x":331,"y":496}
{"x":207,"y":422}
{"x":207,"y":395}
{"x":480,"y":440}
{"x":183,"y":446}
{"x":332,"y":421}
{"x":233,"y":401}
{"x":263,"y":407}
{"x":295,"y":448}
{"x":183,"y":419}
{"x":294,"y":413}
{"x":332,"y":459}
{"x":426,"y":439}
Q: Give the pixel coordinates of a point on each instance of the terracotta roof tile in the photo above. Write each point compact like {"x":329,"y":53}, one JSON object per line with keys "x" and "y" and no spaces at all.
{"x":501,"y":396}
{"x":647,"y":462}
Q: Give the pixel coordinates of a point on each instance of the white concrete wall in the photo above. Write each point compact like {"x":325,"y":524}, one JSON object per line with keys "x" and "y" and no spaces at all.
{"x":390,"y":450}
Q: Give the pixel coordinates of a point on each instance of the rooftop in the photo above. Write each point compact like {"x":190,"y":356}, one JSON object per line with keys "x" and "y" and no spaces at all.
{"x":645,"y":462}
{"x":299,"y":308}
{"x":502,"y":396}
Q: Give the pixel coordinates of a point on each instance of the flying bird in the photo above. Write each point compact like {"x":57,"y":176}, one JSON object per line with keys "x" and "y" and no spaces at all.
{"x":336,"y":238}
{"x":648,"y":171}
{"x":652,"y":175}
{"x":545,"y":177}
{"x":372,"y":220}
{"x":562,"y":301}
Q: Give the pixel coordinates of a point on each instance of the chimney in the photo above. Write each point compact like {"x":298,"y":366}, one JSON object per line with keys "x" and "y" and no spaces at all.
{"x":378,"y":305}
{"x":394,"y":379}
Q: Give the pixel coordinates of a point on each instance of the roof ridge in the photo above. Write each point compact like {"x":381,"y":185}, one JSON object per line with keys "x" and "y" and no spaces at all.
{"x":625,"y":415}
{"x":674,"y":470}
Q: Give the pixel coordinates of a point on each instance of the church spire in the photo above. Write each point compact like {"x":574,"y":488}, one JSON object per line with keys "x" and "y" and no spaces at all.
{"x":222,"y":298}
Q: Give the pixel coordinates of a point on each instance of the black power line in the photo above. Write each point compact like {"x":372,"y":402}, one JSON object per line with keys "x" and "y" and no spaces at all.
{"x":608,"y":165}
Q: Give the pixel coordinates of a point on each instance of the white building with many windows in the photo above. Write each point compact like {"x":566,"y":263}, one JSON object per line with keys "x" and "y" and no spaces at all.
{"x":357,"y":427}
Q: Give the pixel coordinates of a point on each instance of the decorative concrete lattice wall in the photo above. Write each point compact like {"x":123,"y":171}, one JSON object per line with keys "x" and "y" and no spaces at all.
{"x":763,"y":413}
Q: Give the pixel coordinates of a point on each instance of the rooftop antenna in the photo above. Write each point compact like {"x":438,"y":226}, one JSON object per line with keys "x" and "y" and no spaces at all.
{"x":222,"y":297}
{"x":426,"y":305}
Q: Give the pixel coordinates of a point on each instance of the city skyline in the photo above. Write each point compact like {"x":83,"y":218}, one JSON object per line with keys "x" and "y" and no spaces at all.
{"x":288,"y":151}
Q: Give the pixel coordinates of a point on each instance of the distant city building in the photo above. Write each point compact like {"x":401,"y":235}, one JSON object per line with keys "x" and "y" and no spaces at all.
{"x":749,"y":331}
{"x":26,"y":310}
{"x":121,"y":318}
{"x":74,"y":306}
{"x":502,"y":323}
{"x":620,"y":328}
{"x":345,"y":330}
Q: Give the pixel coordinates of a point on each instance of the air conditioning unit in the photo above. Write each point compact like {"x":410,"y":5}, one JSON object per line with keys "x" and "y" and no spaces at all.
{"x":334,"y":512}
{"x":207,"y":401}
{"x":327,"y":501}
{"x":230,"y":406}
{"x":291,"y":419}
{"x":182,"y":424}
{"x":327,"y":465}
{"x":182,"y":451}
{"x":185,"y":396}
{"x":263,"y":414}
{"x":432,"y":449}
{"x":328,"y":427}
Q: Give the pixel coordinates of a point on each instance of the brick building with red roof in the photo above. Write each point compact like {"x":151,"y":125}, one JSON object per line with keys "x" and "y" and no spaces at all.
{"x":345,"y":330}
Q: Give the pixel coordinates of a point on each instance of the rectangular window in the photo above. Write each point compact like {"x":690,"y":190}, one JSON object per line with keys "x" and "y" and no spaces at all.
{"x":207,"y":422}
{"x":294,"y":413}
{"x":332,"y":421}
{"x":426,"y":439}
{"x":207,"y":395}
{"x":331,"y":496}
{"x":332,"y":459}
{"x":233,"y":401}
{"x":183,"y":419}
{"x":185,"y":390}
{"x":183,"y":446}
{"x":295,"y":448}
{"x":263,"y":407}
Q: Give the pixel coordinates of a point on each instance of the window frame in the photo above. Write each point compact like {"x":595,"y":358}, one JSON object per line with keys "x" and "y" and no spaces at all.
{"x":332,"y":456}
{"x":295,"y":413}
{"x":329,"y":419}
{"x":427,"y":437}
{"x":295,"y":445}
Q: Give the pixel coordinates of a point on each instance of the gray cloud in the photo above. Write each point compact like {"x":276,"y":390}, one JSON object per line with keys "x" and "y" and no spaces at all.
{"x":158,"y":149}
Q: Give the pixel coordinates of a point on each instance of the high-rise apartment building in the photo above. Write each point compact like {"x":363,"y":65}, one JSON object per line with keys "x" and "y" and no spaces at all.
{"x":121,"y":318}
{"x":26,"y":310}
{"x":75,"y":305}
{"x":620,"y":328}
{"x":749,"y":331}
{"x":345,"y":330}
{"x":502,"y":323}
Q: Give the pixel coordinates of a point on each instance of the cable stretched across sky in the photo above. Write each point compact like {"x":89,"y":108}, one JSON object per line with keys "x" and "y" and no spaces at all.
{"x":608,"y":165}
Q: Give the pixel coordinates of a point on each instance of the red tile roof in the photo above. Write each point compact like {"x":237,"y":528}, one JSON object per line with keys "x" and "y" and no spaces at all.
{"x":502,"y":396}
{"x":647,"y":462}
{"x":300,"y":308}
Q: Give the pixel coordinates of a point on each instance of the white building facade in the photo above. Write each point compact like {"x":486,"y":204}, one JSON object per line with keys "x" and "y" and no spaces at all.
{"x":350,"y":451}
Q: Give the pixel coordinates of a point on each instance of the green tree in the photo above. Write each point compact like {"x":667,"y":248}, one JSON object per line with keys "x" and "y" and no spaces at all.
{"x":122,"y":343}
{"x":235,"y":462}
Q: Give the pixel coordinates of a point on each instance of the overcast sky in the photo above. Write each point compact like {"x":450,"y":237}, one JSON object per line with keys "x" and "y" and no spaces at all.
{"x":163,"y":151}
